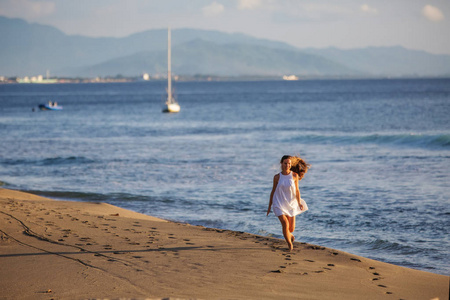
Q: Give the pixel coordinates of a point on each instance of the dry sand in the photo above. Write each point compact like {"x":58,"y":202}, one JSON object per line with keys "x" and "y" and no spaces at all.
{"x":77,"y":250}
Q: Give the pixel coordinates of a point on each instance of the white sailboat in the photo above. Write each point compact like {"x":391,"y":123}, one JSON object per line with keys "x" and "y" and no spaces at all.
{"x":171,"y":106}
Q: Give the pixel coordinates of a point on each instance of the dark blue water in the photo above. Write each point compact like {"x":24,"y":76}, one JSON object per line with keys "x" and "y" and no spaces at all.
{"x":379,"y":149}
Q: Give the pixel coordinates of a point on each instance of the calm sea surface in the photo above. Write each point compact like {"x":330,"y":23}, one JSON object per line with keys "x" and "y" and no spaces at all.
{"x":379,"y":185}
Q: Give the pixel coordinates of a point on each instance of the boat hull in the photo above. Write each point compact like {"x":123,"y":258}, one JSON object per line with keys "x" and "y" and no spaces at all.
{"x":48,"y":107}
{"x":171,"y":108}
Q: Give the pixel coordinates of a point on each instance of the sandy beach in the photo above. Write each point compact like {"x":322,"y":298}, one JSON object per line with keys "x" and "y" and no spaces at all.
{"x":76,"y":250}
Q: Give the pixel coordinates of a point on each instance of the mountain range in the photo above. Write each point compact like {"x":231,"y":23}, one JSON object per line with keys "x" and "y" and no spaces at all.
{"x":32,"y":49}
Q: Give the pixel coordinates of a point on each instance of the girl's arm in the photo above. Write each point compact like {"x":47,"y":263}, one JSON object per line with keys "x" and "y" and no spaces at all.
{"x":297,"y":191}
{"x":275,"y":183}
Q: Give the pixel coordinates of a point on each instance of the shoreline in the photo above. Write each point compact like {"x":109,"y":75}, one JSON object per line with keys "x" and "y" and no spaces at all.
{"x":77,"y":250}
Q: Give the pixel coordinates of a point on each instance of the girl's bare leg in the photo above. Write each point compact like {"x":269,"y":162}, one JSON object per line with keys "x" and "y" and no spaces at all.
{"x":291,"y":223}
{"x":286,"y":233}
{"x":291,"y":227}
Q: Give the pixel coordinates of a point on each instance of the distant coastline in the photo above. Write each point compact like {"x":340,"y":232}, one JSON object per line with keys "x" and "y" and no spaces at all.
{"x":185,"y":78}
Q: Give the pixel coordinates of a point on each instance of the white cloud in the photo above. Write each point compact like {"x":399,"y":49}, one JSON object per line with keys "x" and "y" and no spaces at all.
{"x":432,"y":13}
{"x":368,"y":9}
{"x":26,"y":9}
{"x":248,"y":4}
{"x":213,"y":9}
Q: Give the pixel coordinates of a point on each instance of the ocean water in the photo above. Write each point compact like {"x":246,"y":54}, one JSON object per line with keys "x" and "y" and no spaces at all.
{"x":379,"y":185}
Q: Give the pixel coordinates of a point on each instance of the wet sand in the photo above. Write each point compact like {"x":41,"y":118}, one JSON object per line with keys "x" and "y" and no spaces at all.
{"x":76,"y":250}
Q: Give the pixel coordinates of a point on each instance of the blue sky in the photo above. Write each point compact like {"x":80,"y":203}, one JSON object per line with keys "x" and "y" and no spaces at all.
{"x":414,"y":24}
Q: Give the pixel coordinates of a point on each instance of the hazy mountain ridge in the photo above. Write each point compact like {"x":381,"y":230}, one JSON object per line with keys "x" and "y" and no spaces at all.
{"x":31,"y":49}
{"x":203,"y":57}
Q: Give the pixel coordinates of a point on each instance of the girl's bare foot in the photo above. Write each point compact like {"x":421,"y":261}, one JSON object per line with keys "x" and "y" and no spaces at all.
{"x":291,"y":243}
{"x":290,"y":247}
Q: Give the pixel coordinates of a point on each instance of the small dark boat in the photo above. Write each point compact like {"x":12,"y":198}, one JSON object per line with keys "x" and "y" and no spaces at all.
{"x":50,"y":106}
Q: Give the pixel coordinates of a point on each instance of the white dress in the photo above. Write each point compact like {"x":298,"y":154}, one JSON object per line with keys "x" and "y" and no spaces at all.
{"x":284,"y":198}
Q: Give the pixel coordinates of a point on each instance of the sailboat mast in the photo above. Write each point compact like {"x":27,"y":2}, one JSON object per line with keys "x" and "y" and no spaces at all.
{"x":169,"y":71}
{"x":171,"y":106}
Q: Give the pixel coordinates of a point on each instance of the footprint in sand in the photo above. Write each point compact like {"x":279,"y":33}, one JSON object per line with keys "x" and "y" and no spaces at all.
{"x":316,"y":248}
{"x":277,"y":271}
